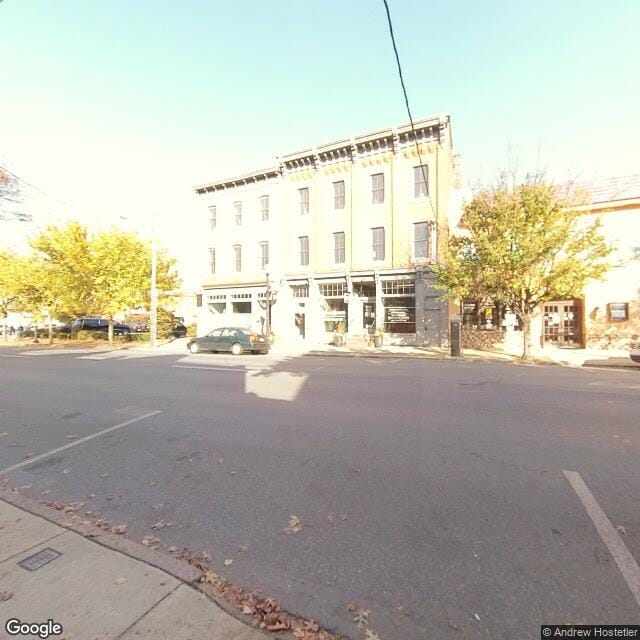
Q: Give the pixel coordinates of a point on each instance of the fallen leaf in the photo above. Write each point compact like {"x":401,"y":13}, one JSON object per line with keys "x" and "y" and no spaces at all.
{"x":361,"y":619}
{"x":228,"y":562}
{"x":157,"y":507}
{"x":476,"y":616}
{"x":104,"y":475}
{"x":220,"y":460}
{"x":150,"y":541}
{"x":243,"y":547}
{"x":119,"y":529}
{"x":120,"y":580}
{"x":172,"y":548}
{"x":371,"y":635}
{"x":72,"y":436}
{"x":621,"y":530}
{"x":351,"y":606}
{"x":153,"y":483}
{"x":28,"y":455}
{"x":294,"y":526}
{"x":161,"y":524}
{"x":5,"y":595}
{"x":65,"y":471}
{"x":331,"y":518}
{"x":46,"y":492}
{"x":91,"y":496}
{"x":247,"y":610}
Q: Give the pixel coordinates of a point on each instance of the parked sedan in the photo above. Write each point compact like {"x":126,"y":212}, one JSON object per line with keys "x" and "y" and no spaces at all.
{"x":634,"y":352}
{"x":231,"y":339}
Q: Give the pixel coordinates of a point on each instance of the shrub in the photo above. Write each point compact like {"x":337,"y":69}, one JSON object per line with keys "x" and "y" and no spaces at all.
{"x":192,"y":330}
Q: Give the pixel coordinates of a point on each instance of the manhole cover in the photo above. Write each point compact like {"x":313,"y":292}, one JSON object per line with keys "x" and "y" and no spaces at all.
{"x":39,"y":559}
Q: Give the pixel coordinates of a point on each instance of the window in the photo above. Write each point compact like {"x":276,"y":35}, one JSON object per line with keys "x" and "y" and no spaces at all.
{"x":421,"y":240}
{"x":300,"y":290}
{"x":338,"y":195}
{"x":212,"y":261}
{"x":237,"y":258}
{"x":304,"y":200}
{"x":398,"y":287}
{"x":264,"y":254}
{"x":377,"y":188}
{"x":420,"y":177}
{"x":217,"y":307}
{"x":264,"y":208}
{"x":377,"y":235}
{"x":240,"y":307}
{"x":237,"y":207}
{"x":212,"y":217}
{"x":617,"y":311}
{"x":400,"y":314}
{"x":303,"y":243}
{"x":338,"y":247}
{"x":332,"y":289}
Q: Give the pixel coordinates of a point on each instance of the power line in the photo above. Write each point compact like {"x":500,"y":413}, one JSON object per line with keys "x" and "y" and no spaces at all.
{"x":406,"y":101}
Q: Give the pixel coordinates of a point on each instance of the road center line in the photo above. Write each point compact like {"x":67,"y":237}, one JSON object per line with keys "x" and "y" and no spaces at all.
{"x":75,"y":443}
{"x":625,"y":561}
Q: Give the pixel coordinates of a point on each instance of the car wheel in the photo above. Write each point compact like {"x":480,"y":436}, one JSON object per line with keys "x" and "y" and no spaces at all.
{"x":194,"y":347}
{"x":236,"y":348}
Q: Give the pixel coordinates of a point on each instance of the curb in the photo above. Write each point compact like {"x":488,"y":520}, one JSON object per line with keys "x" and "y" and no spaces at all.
{"x":179,"y":569}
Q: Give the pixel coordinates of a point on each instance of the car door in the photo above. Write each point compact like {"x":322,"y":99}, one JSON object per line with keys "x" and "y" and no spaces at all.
{"x":212,"y":340}
{"x":227,"y":339}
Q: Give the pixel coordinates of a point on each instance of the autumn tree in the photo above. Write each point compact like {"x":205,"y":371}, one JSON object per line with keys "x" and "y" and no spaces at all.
{"x":8,"y":287}
{"x":521,"y":245}
{"x":121,"y":265}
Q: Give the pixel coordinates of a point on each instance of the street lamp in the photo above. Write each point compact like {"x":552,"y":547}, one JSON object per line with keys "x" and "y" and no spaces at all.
{"x":270,"y":298}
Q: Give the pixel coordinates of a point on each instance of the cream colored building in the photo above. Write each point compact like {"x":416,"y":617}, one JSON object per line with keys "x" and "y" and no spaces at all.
{"x":345,"y":232}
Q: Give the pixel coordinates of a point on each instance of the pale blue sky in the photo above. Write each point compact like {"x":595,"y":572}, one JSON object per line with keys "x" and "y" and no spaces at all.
{"x":119,"y":107}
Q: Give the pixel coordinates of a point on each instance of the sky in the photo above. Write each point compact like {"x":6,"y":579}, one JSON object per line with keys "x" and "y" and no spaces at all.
{"x":114,"y":110}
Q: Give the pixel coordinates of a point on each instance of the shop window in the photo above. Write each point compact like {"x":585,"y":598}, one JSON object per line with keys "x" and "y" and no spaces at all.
{"x":400,"y":314}
{"x":241,"y":307}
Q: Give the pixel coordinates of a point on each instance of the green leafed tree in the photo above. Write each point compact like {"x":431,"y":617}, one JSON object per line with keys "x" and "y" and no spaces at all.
{"x":121,"y":264}
{"x":522,"y":245}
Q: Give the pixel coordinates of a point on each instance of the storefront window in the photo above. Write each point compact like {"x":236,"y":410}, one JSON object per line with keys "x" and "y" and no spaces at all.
{"x":400,"y":314}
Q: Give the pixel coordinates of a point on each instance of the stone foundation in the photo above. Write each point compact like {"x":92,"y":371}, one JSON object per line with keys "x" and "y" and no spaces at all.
{"x":492,"y":340}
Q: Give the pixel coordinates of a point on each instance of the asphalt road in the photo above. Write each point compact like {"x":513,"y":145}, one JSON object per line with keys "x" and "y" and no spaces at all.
{"x":431,"y":493}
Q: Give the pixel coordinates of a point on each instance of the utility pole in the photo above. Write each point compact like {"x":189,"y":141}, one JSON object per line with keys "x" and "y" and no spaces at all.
{"x":153,"y":312}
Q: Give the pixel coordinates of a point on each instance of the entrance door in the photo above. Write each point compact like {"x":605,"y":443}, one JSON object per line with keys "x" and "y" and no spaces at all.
{"x":369,"y":316}
{"x":300,"y":319}
{"x":432,"y":321}
{"x":562,"y":325}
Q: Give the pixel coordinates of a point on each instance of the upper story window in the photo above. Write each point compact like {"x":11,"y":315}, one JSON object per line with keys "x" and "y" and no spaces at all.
{"x":338,"y":247}
{"x":421,"y":240}
{"x":264,"y":208}
{"x":237,"y":212}
{"x":377,"y":238}
{"x":212,"y":217}
{"x":304,"y":199}
{"x":237,"y":258}
{"x":377,"y":188}
{"x":420,"y":181}
{"x":212,"y":260}
{"x":338,"y":194}
{"x":303,"y":245}
{"x":264,"y":254}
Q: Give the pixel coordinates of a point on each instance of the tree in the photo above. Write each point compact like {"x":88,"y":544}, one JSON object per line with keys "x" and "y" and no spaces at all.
{"x":8,"y":287}
{"x":9,"y":190}
{"x":121,"y":264}
{"x":523,"y":244}
{"x":65,"y":253}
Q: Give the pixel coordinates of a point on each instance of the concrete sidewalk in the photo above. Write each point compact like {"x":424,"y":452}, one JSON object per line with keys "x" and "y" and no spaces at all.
{"x":98,"y":593}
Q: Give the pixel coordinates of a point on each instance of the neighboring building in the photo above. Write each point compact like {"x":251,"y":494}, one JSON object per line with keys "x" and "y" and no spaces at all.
{"x":607,"y":314}
{"x":345,"y":231}
{"x":611,"y":307}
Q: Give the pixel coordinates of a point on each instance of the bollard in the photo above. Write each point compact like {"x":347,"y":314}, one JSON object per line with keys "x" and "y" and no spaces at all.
{"x":455,"y":338}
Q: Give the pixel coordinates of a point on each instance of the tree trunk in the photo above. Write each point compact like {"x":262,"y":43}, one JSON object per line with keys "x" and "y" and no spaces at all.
{"x":35,"y":333}
{"x":110,"y":331}
{"x":50,"y":328}
{"x":526,"y":335}
{"x":4,"y":327}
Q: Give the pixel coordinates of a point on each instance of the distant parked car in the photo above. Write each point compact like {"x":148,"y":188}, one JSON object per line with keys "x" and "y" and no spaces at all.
{"x":233,"y":339}
{"x":99,"y":324}
{"x":634,"y":352}
{"x":179,"y":331}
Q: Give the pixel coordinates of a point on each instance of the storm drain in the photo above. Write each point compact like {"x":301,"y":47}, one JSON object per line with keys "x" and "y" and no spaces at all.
{"x":38,"y":560}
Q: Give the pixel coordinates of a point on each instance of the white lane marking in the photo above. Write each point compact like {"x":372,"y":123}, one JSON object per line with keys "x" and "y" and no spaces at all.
{"x":75,"y":443}
{"x":186,"y":366}
{"x":5,"y":355}
{"x":625,"y":561}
